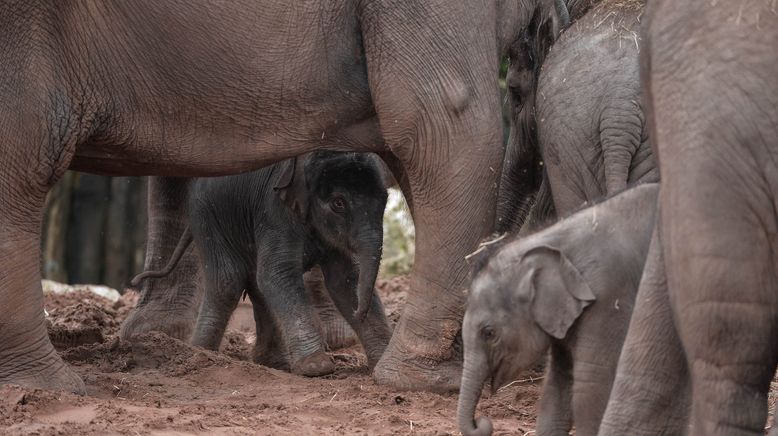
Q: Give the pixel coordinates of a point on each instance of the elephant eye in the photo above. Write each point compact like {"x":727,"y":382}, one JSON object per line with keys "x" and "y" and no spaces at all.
{"x":488,"y":333}
{"x":338,"y":204}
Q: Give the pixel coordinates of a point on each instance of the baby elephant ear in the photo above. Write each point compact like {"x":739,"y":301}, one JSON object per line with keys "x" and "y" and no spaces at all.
{"x":559,"y":291}
{"x":291,"y":186}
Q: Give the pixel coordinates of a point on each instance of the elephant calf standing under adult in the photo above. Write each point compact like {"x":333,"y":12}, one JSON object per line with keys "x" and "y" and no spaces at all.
{"x":570,"y":287}
{"x":261,"y":231}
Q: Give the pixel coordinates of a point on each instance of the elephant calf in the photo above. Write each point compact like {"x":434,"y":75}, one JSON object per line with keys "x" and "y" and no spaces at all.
{"x":570,"y":288}
{"x":260,"y":232}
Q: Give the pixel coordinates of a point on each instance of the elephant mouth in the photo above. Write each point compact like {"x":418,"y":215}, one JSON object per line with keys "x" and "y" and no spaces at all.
{"x":503,"y":375}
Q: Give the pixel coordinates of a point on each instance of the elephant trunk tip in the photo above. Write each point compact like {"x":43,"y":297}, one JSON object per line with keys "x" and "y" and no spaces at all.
{"x":481,"y":427}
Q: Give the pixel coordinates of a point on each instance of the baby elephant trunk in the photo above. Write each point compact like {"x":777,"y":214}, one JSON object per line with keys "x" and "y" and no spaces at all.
{"x":474,"y":375}
{"x":368,"y":260}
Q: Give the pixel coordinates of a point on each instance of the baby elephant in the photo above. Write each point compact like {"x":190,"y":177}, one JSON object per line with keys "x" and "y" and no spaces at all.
{"x":571,"y":288}
{"x":260,"y":231}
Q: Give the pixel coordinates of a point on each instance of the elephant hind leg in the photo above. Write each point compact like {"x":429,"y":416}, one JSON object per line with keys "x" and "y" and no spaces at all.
{"x":719,"y":244}
{"x":168,"y":304}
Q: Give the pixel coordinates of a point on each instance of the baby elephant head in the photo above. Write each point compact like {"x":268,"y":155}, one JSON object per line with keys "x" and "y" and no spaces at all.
{"x":341,"y":199}
{"x":519,"y":302}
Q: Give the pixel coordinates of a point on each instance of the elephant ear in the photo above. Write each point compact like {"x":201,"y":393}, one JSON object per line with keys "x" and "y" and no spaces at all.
{"x":291,"y":186}
{"x":559,"y":292}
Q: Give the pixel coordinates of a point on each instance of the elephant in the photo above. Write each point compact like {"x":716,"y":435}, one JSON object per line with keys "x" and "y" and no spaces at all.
{"x":569,"y":288}
{"x":260,"y":231}
{"x":139,"y":87}
{"x":579,"y":127}
{"x":708,"y":74}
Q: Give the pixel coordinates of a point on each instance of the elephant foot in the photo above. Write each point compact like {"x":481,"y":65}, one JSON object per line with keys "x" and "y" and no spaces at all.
{"x":416,"y":363}
{"x":145,"y":319}
{"x":337,"y":333}
{"x":314,"y":365}
{"x":50,"y":373}
{"x":274,"y":358}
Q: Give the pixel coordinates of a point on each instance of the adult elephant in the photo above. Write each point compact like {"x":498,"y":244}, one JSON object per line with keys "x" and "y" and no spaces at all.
{"x":213,"y":88}
{"x":709,"y":77}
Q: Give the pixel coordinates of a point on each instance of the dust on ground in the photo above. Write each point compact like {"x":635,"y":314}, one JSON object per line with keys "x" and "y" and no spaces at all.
{"x":158,"y":385}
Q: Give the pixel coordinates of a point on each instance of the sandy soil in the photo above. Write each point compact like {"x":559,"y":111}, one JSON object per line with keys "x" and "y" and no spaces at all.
{"x":161,"y":386}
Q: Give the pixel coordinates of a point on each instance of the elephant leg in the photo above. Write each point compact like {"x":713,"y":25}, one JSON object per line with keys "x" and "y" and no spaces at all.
{"x":337,"y":331}
{"x":441,"y":120}
{"x":269,"y":346}
{"x":719,"y":245}
{"x":224,"y":284}
{"x":280,"y":282}
{"x":167,"y":304}
{"x":650,"y":393}
{"x":555,"y":409}
{"x":341,"y":279}
{"x":27,"y":172}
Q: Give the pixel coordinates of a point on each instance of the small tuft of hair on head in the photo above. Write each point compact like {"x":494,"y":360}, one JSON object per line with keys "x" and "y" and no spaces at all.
{"x":486,"y":249}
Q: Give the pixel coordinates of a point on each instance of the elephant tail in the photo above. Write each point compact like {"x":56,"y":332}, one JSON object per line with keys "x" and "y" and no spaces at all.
{"x":178,"y":253}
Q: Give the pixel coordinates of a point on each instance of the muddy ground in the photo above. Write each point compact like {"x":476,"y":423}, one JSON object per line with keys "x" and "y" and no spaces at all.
{"x":161,"y":386}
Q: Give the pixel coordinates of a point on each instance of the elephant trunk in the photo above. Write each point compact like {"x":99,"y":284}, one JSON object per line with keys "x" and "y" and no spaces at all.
{"x":369,"y":260}
{"x":473,"y":377}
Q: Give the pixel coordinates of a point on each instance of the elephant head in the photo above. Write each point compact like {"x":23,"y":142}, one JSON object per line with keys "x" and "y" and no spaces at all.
{"x":520,"y":301}
{"x":341,"y":199}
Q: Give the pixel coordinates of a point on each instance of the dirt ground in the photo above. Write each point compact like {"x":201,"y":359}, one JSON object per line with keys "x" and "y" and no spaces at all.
{"x":158,"y":385}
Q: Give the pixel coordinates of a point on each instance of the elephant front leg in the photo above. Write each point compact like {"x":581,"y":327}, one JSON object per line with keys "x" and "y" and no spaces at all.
{"x":441,"y":119}
{"x":650,"y":393}
{"x":224,"y":284}
{"x":555,"y":411}
{"x":167,"y":304}
{"x":281,"y":283}
{"x":27,"y":357}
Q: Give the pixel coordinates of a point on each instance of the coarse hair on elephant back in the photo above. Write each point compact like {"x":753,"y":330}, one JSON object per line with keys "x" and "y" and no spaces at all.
{"x":488,"y":247}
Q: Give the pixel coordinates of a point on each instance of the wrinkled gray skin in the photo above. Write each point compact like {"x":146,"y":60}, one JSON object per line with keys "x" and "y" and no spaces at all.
{"x":325,"y":210}
{"x":571,"y":288}
{"x":587,"y":121}
{"x":709,"y":77}
{"x":207,"y":88}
